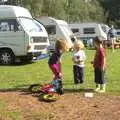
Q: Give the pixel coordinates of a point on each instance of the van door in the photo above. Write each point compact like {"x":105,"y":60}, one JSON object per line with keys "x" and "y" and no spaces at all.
{"x":11,"y":36}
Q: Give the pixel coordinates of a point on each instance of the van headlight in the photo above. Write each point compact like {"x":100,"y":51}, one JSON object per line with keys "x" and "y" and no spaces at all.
{"x":28,"y":47}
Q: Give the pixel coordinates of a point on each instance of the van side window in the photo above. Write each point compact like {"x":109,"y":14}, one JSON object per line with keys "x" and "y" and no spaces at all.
{"x":75,"y":30}
{"x":89,"y":30}
{"x":51,"y":29}
{"x":9,"y":25}
{"x":4,"y":26}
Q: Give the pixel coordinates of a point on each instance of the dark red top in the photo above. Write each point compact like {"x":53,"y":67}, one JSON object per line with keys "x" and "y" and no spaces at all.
{"x":99,"y":58}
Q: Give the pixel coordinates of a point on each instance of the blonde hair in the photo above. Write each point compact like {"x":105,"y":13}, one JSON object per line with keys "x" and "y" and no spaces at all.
{"x":79,"y":44}
{"x":61,"y":44}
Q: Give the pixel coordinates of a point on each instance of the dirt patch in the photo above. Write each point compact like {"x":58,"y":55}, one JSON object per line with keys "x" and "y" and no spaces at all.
{"x":70,"y":106}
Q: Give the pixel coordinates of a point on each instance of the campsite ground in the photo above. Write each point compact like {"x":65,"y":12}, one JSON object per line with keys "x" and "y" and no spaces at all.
{"x":17,"y":103}
{"x":20,"y":105}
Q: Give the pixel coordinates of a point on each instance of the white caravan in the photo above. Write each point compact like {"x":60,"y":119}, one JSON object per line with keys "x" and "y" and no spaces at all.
{"x":57,"y":29}
{"x":87,"y":31}
{"x":21,"y":36}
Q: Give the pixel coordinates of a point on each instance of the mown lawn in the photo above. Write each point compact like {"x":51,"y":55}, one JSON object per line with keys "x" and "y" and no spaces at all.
{"x":21,"y":76}
{"x":15,"y":77}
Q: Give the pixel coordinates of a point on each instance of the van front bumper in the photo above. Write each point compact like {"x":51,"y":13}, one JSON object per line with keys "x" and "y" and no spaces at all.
{"x":33,"y":55}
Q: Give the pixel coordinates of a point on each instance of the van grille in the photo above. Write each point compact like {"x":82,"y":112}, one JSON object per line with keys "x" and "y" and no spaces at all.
{"x":39,"y":39}
{"x":39,"y":47}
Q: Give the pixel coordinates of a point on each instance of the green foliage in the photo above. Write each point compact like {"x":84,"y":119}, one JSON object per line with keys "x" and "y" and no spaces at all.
{"x":70,"y":10}
{"x":112,"y":10}
{"x":74,"y":10}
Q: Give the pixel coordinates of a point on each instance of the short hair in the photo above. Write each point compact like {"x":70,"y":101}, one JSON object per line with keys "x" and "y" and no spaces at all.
{"x":98,"y":39}
{"x":79,"y":44}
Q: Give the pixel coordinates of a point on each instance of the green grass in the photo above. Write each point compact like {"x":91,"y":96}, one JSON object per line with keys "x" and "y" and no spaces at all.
{"x":18,"y":76}
{"x":21,"y":76}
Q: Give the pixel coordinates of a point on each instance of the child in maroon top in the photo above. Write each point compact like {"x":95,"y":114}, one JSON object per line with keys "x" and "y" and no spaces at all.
{"x":99,"y":65}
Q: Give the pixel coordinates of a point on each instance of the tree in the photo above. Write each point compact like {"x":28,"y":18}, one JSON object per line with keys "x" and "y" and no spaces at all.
{"x":112,"y":9}
{"x":70,"y":10}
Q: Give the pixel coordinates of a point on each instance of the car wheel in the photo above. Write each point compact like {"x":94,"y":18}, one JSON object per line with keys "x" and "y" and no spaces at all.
{"x":6,"y":57}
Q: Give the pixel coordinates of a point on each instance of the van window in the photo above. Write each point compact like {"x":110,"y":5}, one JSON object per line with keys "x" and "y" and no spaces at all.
{"x":89,"y":30}
{"x":9,"y":25}
{"x":75,"y":30}
{"x":118,"y":32}
{"x":51,"y":29}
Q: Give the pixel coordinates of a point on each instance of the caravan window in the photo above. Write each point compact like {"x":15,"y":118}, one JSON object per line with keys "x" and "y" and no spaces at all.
{"x":51,"y":29}
{"x":89,"y":30}
{"x":9,"y":25}
{"x":118,"y":32}
{"x":75,"y":30}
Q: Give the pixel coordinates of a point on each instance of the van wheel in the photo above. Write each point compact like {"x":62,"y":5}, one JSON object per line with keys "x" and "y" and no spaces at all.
{"x":6,"y":57}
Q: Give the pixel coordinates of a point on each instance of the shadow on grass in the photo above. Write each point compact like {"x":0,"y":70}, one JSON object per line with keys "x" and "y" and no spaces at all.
{"x":20,"y":88}
{"x":73,"y":90}
{"x":24,"y":88}
{"x":18,"y":64}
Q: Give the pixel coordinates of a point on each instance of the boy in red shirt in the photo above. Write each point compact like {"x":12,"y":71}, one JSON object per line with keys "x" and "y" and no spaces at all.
{"x":99,"y":65}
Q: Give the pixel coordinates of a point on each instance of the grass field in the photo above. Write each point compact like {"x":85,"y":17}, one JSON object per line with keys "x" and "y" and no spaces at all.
{"x":21,"y":76}
{"x":13,"y":78}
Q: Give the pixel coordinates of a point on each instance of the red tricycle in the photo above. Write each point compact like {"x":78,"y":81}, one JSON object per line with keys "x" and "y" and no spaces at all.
{"x":48,"y":92}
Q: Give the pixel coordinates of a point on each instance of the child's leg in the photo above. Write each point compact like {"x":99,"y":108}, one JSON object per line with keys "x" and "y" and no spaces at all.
{"x":81,"y":74}
{"x":97,"y":88}
{"x":97,"y":78}
{"x":55,"y":70}
{"x":58,"y":85}
{"x":75,"y":73}
{"x":103,"y":85}
{"x":102,"y":88}
{"x":57,"y":81}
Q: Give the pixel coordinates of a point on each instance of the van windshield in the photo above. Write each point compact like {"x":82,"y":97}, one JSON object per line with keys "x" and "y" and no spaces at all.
{"x":30,"y":25}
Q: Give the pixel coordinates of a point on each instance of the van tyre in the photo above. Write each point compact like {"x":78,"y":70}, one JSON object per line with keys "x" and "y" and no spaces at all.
{"x":7,"y":57}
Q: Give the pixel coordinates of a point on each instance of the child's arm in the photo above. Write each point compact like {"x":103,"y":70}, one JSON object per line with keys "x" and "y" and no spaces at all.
{"x":104,"y":64}
{"x":83,"y":57}
{"x":60,"y":70}
{"x":60,"y":65}
{"x":102,"y":60}
{"x":73,"y":59}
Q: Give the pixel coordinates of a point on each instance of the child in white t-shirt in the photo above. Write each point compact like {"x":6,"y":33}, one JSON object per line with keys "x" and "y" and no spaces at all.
{"x":78,"y":62}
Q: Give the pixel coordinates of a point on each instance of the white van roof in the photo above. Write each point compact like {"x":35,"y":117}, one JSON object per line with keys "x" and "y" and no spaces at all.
{"x":8,"y":11}
{"x":83,"y":24}
{"x":51,"y":20}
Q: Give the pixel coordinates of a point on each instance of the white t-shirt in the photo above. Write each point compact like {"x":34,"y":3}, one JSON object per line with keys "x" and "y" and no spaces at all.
{"x":79,"y":56}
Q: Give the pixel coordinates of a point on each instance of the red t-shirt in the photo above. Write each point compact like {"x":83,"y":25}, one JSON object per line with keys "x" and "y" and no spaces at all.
{"x":99,"y":58}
